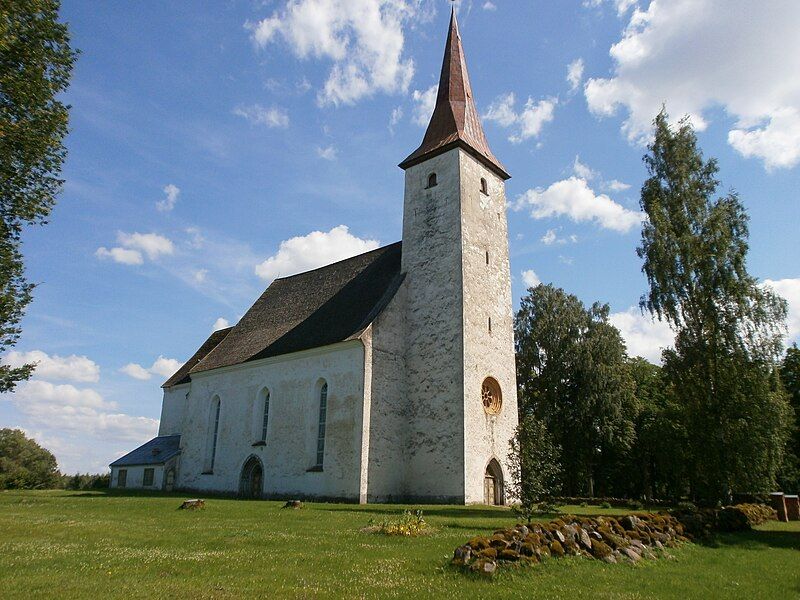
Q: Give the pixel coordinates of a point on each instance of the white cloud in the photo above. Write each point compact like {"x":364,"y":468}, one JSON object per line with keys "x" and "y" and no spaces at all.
{"x":120,"y":255}
{"x":528,"y":123}
{"x":394,"y":119}
{"x":81,"y":411}
{"x":136,"y":371}
{"x":162,"y":366}
{"x":789,"y":290}
{"x":316,"y":249}
{"x":424,"y":103}
{"x":133,"y":245}
{"x":167,"y":204}
{"x":328,"y":153}
{"x":56,"y":368}
{"x":530,"y":278}
{"x":151,"y":244}
{"x":220,"y":323}
{"x":572,"y":197}
{"x":617,"y":186}
{"x":644,"y":336}
{"x":575,"y":73}
{"x":200,"y":275}
{"x":363,"y":39}
{"x":489,"y":6}
{"x":550,"y":237}
{"x":583,"y":171}
{"x":165,"y":366}
{"x":696,"y":55}
{"x":260,"y":115}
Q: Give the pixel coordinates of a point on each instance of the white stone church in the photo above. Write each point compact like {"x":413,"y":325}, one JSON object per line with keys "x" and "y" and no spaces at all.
{"x":388,"y":376}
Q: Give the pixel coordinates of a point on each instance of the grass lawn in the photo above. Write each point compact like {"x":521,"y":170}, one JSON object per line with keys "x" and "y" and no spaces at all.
{"x":60,"y":544}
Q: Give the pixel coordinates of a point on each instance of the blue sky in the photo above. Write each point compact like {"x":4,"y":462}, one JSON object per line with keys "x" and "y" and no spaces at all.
{"x":217,"y":145}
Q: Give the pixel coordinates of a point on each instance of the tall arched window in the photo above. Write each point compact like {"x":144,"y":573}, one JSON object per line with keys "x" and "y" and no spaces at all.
{"x":264,"y":406}
{"x":213,"y":433}
{"x":323,"y":413}
{"x":432,"y":180}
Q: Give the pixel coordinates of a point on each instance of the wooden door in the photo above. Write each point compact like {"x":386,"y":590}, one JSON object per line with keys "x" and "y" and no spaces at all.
{"x":489,"y":490}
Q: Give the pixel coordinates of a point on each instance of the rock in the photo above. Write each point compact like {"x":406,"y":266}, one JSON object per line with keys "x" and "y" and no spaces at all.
{"x":508,"y":554}
{"x":659,"y":545}
{"x":462,"y":555}
{"x":586,"y":541}
{"x":523,"y":530}
{"x":559,"y":536}
{"x":631,"y":554}
{"x":556,"y":549}
{"x":595,"y":535}
{"x":609,"y":558}
{"x":498,"y":541}
{"x":193,"y":504}
{"x":478,"y":543}
{"x":629,"y":522}
{"x":295,"y":504}
{"x":488,"y":553}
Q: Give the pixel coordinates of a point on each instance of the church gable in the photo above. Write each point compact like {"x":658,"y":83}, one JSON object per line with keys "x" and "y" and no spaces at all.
{"x":317,"y":308}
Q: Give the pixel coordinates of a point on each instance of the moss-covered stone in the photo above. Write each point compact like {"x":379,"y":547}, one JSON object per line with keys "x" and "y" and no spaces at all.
{"x":556,"y":549}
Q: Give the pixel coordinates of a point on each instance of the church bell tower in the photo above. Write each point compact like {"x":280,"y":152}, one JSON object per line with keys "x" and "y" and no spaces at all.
{"x":461,"y":379}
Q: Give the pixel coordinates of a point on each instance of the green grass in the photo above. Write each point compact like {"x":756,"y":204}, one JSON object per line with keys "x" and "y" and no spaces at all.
{"x":61,"y":544}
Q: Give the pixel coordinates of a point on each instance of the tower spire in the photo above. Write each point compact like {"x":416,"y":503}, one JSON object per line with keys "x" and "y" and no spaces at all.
{"x":455,"y":121}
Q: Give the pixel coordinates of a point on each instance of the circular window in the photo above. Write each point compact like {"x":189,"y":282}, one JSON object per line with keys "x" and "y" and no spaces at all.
{"x":491,"y":396}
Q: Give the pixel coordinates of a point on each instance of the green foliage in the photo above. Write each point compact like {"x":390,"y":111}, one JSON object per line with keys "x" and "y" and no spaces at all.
{"x":728,"y":329}
{"x":35,"y":66}
{"x":572,"y":375}
{"x":533,"y":466}
{"x":24,"y":464}
{"x":86,"y":481}
{"x":789,"y":476}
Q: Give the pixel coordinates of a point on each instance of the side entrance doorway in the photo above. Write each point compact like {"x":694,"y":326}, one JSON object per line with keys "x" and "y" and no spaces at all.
{"x":251,"y":481}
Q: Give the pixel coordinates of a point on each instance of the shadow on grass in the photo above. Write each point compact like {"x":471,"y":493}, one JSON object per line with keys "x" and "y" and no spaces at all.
{"x":755,"y":540}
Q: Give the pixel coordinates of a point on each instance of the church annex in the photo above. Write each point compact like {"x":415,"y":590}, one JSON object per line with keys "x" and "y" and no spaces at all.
{"x":388,"y":376}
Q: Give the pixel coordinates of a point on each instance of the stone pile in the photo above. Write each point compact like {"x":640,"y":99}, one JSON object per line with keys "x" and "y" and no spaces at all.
{"x":627,"y":539}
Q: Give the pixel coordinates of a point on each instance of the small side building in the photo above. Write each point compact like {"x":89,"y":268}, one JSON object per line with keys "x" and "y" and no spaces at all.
{"x":151,"y":466}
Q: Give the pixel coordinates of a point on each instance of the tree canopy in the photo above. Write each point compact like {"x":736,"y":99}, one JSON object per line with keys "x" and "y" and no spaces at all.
{"x":24,"y":464}
{"x":35,"y":66}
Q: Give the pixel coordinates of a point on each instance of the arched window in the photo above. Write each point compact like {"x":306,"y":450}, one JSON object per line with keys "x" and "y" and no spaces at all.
{"x":432,"y":180}
{"x":491,"y":396}
{"x":213,"y":433}
{"x":323,"y":413}
{"x":264,"y":406}
{"x":484,"y":186}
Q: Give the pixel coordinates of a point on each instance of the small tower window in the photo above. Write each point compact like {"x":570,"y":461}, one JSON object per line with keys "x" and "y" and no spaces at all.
{"x":484,"y":187}
{"x":490,"y":324}
{"x":487,"y":257}
{"x":432,"y":180}
{"x":491,"y":396}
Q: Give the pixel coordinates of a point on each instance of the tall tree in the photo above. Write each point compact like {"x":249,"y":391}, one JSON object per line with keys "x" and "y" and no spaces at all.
{"x":572,"y":375}
{"x":35,"y":65}
{"x":728,"y":328}
{"x":24,"y":464}
{"x":789,"y":477}
{"x":534,"y":466}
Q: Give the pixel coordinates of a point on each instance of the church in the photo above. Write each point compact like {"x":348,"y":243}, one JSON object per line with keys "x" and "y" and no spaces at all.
{"x":385,"y":377}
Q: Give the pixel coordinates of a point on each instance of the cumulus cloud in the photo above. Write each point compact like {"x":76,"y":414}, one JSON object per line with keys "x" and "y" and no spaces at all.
{"x":123,"y":256}
{"x":489,"y":6}
{"x":573,"y":198}
{"x":789,"y":290}
{"x":328,"y":153}
{"x":134,"y":245}
{"x":171,"y":193}
{"x":362,"y":38}
{"x":586,"y":173}
{"x":78,"y":410}
{"x":256,"y":114}
{"x":424,"y":103}
{"x":220,"y":323}
{"x":551,"y":237}
{"x":136,"y":371}
{"x":643,"y":335}
{"x":316,"y":249}
{"x":530,"y":278}
{"x":527,"y":123}
{"x":681,"y":53}
{"x":575,"y":73}
{"x":56,"y":368}
{"x":164,"y":367}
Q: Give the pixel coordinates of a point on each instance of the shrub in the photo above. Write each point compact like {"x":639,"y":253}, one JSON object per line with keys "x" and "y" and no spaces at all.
{"x":410,"y":524}
{"x":605,"y":505}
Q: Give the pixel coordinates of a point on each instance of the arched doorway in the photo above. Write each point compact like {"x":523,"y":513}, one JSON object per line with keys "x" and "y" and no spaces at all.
{"x":493,"y":492}
{"x":251,"y":482}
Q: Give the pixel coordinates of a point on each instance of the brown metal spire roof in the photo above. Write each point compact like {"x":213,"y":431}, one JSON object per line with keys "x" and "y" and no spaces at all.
{"x":455,"y":120}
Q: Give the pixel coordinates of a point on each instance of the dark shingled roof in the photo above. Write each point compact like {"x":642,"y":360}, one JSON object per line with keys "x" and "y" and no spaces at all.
{"x":317,"y":308}
{"x":455,"y":121}
{"x":155,"y":452}
{"x":182,"y":374}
